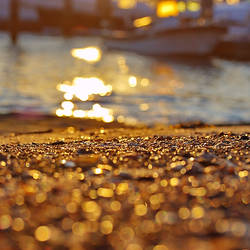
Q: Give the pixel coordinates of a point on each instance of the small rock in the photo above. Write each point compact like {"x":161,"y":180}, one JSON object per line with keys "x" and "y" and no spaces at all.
{"x":83,"y":151}
{"x":58,"y":143}
{"x":244,"y":137}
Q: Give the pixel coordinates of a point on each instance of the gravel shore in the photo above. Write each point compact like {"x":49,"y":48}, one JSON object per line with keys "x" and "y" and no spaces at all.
{"x":74,"y":184}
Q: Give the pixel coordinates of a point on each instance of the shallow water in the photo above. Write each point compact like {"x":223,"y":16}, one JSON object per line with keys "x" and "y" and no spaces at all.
{"x":144,"y":89}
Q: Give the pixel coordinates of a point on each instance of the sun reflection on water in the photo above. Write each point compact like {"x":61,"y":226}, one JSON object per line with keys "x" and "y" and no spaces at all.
{"x":97,"y":112}
{"x":89,"y":54}
{"x":85,"y":89}
{"x":128,"y":83}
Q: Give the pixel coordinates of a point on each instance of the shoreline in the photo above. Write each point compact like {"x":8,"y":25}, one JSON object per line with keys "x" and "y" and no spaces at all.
{"x":74,"y":184}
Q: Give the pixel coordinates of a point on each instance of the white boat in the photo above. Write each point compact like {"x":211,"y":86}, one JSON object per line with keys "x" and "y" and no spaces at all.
{"x":235,"y":44}
{"x":193,"y":40}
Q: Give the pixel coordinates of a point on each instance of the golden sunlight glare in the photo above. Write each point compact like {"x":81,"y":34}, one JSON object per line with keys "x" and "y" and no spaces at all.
{"x":126,"y":4}
{"x":167,"y":8}
{"x":84,"y":89}
{"x":132,"y":81}
{"x":143,"y":21}
{"x":89,"y":54}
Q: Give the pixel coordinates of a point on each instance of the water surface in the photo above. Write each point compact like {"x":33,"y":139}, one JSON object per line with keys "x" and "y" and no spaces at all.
{"x":141,"y":89}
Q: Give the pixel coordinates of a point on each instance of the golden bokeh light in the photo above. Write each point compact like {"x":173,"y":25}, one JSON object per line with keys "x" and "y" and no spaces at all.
{"x":197,"y":212}
{"x":43,"y":233}
{"x":160,"y":247}
{"x":167,"y":9}
{"x":84,"y":89}
{"x":143,"y":21}
{"x":106,"y":227}
{"x":140,"y":210}
{"x":115,"y":206}
{"x":132,"y":81}
{"x":126,"y":4}
{"x":5,"y":221}
{"x":193,"y":6}
{"x":89,"y":54}
{"x":182,"y":6}
{"x":105,"y":192}
{"x":18,"y":224}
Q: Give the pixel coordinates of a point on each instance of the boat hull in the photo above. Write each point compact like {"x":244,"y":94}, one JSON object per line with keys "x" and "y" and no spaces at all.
{"x":234,"y":50}
{"x":184,"y":41}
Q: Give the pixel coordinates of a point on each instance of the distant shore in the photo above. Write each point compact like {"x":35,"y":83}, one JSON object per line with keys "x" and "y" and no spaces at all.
{"x":81,"y":184}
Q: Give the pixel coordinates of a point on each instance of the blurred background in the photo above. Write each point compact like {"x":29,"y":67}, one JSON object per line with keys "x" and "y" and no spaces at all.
{"x":151,"y":61}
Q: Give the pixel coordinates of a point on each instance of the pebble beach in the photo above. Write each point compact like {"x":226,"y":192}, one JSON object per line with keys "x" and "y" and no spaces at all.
{"x":74,"y":184}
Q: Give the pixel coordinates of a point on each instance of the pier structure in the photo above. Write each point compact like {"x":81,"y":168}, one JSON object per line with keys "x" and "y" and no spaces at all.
{"x":207,"y":9}
{"x":14,"y":20}
{"x":67,"y":18}
{"x":104,"y":9}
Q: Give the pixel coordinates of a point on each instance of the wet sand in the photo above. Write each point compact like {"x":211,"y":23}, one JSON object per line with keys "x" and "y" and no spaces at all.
{"x":74,"y":184}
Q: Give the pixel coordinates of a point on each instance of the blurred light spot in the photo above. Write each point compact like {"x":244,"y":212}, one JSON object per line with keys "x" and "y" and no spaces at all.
{"x":182,"y":6}
{"x":144,"y":82}
{"x":60,"y":112}
{"x":92,"y":209}
{"x":89,"y":54}
{"x":18,"y":224}
{"x":163,"y":217}
{"x":132,"y":80}
{"x":232,"y":2}
{"x":156,"y":199}
{"x":41,"y":197}
{"x":35,"y":174}
{"x":184,"y":213}
{"x":167,"y":9}
{"x":105,"y":192}
{"x":197,"y":212}
{"x":238,"y":228}
{"x":5,"y":222}
{"x":79,"y":113}
{"x":93,"y":194}
{"x":174,"y":182}
{"x":90,"y":206}
{"x":126,"y":4}
{"x":222,"y":226}
{"x":140,"y":210}
{"x":164,"y":183}
{"x":122,"y":188}
{"x":68,"y":96}
{"x":121,"y":119}
{"x":98,"y":171}
{"x":143,"y":21}
{"x":193,"y":6}
{"x":243,"y":173}
{"x":115,"y":206}
{"x":79,"y":229}
{"x":126,"y":233}
{"x":134,"y":247}
{"x":106,"y":227}
{"x":42,"y":233}
{"x":71,"y":207}
{"x":160,"y":247}
{"x":83,"y":88}
{"x":144,"y":107}
{"x":98,"y":112}
{"x":201,"y":191}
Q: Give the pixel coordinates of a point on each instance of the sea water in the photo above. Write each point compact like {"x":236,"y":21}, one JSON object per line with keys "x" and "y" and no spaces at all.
{"x":124,"y":86}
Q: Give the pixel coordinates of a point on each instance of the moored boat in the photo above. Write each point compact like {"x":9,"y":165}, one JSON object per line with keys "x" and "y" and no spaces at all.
{"x":193,"y":40}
